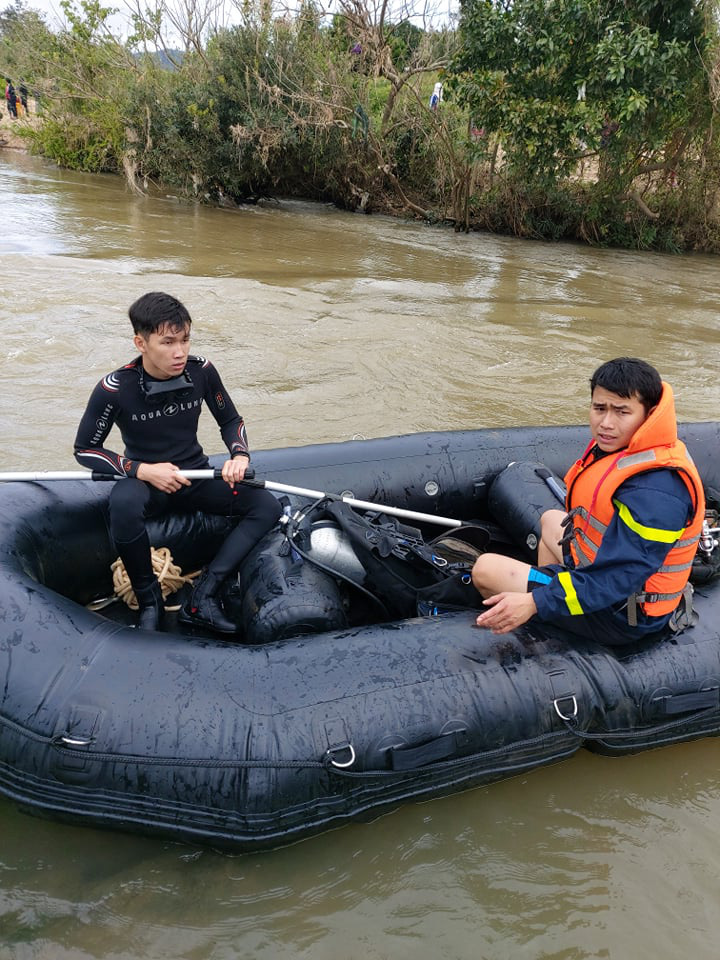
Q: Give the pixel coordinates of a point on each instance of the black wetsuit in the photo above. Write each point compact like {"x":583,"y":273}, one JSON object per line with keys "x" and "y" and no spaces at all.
{"x":160,"y":428}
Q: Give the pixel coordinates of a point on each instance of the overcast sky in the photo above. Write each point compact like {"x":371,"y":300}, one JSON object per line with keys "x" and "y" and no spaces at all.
{"x":442,"y":10}
{"x":52,"y":11}
{"x":48,"y":8}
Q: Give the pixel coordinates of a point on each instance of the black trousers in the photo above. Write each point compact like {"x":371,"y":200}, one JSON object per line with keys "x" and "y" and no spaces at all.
{"x":133,"y":501}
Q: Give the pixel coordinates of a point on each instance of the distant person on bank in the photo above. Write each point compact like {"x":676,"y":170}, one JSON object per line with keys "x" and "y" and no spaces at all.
{"x":11,"y":98}
{"x":156,"y":401}
{"x":614,"y":568}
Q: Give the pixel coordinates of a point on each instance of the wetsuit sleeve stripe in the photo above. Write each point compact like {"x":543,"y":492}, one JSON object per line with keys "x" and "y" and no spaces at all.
{"x":240,"y":445}
{"x":113,"y":460}
{"x":646,"y":533}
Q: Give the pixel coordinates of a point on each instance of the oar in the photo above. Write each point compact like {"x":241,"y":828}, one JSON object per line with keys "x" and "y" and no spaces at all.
{"x":250,"y":480}
{"x":360,"y":504}
{"x":44,"y":475}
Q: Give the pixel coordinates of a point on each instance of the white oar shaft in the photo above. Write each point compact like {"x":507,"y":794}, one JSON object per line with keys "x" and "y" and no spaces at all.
{"x":318,"y":494}
{"x":365,"y":505}
{"x":208,"y":474}
{"x":47,"y":475}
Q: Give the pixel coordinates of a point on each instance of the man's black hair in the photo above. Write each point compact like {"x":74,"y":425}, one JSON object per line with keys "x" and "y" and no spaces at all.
{"x":629,"y":377}
{"x":152,"y":311}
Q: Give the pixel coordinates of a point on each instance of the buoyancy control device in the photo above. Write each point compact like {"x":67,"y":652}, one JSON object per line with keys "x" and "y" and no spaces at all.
{"x":405,"y":574}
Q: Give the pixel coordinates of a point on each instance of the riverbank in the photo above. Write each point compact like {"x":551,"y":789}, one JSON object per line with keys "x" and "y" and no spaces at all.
{"x":10,"y":131}
{"x":662,"y":216}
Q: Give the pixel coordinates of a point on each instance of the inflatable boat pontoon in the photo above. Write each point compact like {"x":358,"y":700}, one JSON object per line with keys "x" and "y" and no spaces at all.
{"x":323,"y":710}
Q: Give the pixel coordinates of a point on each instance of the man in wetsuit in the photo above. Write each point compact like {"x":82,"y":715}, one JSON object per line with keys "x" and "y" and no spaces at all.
{"x":156,"y":401}
{"x":615,"y":565}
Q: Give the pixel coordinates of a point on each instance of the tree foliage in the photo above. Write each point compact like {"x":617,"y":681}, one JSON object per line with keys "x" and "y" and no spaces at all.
{"x":23,"y":35}
{"x":333,"y":109}
{"x":556,"y":79}
{"x":566,"y":118}
{"x":83,"y":78}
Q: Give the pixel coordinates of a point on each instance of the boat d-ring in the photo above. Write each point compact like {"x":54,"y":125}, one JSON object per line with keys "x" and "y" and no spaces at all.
{"x":69,"y":741}
{"x":559,"y":712}
{"x":340,"y":764}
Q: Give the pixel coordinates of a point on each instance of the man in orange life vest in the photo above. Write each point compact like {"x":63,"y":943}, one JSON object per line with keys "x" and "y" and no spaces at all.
{"x":614,"y":567}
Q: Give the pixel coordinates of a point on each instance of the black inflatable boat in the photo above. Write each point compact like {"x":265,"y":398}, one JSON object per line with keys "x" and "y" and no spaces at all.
{"x":326,"y":707}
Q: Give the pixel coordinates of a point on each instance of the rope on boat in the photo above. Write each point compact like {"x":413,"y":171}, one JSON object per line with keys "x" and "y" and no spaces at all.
{"x":168,"y":573}
{"x":609,"y":738}
{"x":63,"y":743}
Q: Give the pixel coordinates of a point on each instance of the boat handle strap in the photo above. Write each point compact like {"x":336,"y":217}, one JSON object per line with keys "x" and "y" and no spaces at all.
{"x":687,"y":702}
{"x":410,"y":758}
{"x":571,"y":701}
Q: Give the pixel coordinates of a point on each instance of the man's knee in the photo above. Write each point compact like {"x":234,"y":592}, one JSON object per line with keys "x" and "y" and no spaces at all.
{"x":128,"y":493}
{"x":482,"y":571}
{"x":273,"y":508}
{"x":552,"y":519}
{"x":476,"y":572}
{"x":493,"y":573}
{"x":262,"y":505}
{"x":128,"y":500}
{"x":551,"y":533}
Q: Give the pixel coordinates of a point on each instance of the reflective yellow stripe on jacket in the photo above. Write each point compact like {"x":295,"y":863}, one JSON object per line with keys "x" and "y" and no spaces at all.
{"x":571,"y":599}
{"x":654,"y":534}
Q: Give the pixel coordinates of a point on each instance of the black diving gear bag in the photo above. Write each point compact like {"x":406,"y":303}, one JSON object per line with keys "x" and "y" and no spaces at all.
{"x":408,"y":575}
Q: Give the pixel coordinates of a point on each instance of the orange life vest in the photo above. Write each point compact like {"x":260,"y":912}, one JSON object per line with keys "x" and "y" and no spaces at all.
{"x":591,"y":487}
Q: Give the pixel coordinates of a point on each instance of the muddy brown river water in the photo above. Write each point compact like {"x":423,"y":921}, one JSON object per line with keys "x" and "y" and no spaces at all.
{"x":327,"y":326}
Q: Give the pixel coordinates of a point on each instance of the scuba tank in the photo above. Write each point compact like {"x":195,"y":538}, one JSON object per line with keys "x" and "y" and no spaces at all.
{"x":330,"y":547}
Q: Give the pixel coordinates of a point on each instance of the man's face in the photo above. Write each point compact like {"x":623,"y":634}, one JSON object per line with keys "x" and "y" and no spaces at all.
{"x":165,"y":353}
{"x":614,"y":419}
